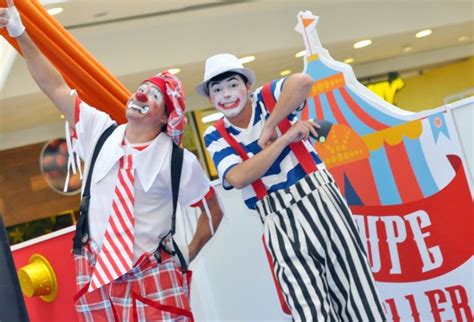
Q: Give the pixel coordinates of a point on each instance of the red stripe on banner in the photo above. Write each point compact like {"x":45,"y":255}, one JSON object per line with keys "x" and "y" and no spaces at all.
{"x":360,"y":113}
{"x":362,"y":179}
{"x":403,"y":173}
{"x":336,"y":110}
{"x":319,"y":107}
{"x":305,"y":111}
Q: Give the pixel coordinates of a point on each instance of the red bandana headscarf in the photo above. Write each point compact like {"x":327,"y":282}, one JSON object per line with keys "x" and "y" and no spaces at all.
{"x":175,"y":103}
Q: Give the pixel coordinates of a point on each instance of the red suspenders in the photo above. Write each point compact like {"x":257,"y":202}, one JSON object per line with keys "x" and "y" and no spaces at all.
{"x":302,"y":155}
{"x":257,"y":185}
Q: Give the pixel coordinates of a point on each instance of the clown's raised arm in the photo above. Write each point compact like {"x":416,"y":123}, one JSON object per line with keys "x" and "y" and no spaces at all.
{"x":43,"y":72}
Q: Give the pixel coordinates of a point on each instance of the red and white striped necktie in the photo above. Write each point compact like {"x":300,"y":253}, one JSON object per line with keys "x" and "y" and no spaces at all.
{"x":116,"y":255}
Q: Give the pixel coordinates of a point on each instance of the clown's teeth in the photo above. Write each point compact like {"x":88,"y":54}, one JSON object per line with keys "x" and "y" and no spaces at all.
{"x":145,"y":109}
{"x":142,"y":109}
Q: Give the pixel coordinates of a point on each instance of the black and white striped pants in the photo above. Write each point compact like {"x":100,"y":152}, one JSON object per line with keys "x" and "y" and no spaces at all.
{"x":318,"y":255}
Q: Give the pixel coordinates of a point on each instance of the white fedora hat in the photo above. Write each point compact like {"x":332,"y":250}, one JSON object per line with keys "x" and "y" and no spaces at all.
{"x":219,"y":64}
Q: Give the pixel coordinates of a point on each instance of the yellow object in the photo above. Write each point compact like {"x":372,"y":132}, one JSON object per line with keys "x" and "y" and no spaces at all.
{"x":437,"y":86}
{"x":313,"y":57}
{"x":387,"y":90}
{"x":38,"y":279}
{"x":393,"y":135}
{"x":201,"y":128}
{"x":327,"y":84}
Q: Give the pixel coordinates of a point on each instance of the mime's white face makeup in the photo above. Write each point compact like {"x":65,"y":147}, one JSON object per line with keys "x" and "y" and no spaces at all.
{"x":145,"y":97}
{"x":229,"y":95}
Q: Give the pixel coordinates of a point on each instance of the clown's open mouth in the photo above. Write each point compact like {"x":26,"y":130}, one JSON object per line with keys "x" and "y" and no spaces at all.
{"x":230,"y":105}
{"x":142,"y":109}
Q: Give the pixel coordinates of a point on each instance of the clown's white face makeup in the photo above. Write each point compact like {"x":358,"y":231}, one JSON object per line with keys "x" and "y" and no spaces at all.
{"x":229,"y":95}
{"x":146,"y":96}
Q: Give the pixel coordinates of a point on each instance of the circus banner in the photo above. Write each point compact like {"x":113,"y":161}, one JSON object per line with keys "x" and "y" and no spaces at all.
{"x":404,"y":177}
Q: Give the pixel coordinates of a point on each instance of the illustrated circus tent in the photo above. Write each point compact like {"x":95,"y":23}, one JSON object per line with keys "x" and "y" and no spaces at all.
{"x":376,"y":152}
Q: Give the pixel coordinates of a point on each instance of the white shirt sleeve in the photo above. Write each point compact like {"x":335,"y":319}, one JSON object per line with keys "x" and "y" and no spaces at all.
{"x":91,"y":124}
{"x":194,"y":184}
{"x":222,"y":154}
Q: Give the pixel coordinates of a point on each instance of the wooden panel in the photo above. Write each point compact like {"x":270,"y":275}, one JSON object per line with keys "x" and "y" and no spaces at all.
{"x":38,"y":183}
{"x":2,"y":206}
{"x":26,"y":195}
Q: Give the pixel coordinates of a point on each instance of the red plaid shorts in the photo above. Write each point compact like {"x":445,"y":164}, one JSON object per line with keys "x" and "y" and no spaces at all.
{"x":148,"y":292}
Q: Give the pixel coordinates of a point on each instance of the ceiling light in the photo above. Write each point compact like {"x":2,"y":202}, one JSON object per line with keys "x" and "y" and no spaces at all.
{"x":463,"y":38}
{"x":55,"y":11}
{"x":423,"y":33}
{"x":362,"y":43}
{"x":212,"y":117}
{"x":174,"y":71}
{"x":247,"y":59}
{"x":407,"y":48}
{"x":62,"y":116}
{"x":300,"y":54}
{"x":285,"y":72}
{"x":349,"y":60}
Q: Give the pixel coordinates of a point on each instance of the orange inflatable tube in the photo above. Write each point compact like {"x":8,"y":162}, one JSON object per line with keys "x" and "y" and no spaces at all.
{"x":81,"y":71}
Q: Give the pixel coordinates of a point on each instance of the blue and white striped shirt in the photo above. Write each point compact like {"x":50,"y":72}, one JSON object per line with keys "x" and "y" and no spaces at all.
{"x":284,"y":172}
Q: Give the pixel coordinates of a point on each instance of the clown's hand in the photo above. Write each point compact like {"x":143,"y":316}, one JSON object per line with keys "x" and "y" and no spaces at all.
{"x":10,"y":18}
{"x":267,"y":136}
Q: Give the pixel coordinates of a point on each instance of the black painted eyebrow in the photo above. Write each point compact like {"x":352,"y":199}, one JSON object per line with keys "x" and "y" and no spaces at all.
{"x":212,"y":83}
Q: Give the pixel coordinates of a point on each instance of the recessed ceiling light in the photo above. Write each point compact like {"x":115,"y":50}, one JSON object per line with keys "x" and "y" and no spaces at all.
{"x":362,"y":43}
{"x":212,"y":117}
{"x":62,"y":116}
{"x":285,"y":72}
{"x":55,"y":11}
{"x":174,"y":71}
{"x":300,"y":53}
{"x":407,"y":48}
{"x":423,"y":33}
{"x":247,"y":59}
{"x":463,"y":38}
{"x":349,"y":60}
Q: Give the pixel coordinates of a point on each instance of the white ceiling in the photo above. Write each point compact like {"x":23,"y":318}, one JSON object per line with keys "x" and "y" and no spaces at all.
{"x":136,"y":39}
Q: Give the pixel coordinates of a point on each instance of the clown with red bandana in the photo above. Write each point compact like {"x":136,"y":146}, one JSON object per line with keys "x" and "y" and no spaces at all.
{"x":128,"y":267}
